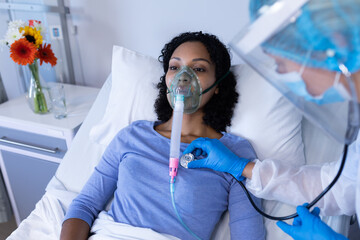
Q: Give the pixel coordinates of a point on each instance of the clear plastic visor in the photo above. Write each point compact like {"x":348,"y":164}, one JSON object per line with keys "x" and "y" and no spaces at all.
{"x":308,"y":76}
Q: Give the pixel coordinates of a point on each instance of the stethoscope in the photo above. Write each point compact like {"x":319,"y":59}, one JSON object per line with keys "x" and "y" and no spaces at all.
{"x":311,"y":204}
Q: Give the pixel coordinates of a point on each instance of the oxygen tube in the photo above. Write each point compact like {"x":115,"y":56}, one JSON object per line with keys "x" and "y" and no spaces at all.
{"x":175,"y":153}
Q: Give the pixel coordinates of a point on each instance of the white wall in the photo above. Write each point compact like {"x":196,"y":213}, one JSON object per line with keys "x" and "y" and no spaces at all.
{"x":144,"y":26}
{"x":141,"y":25}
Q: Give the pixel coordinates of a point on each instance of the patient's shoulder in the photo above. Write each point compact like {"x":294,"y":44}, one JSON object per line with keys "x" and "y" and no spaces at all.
{"x":229,"y":137}
{"x":141,"y":123}
{"x":239,"y":145}
{"x":135,"y":126}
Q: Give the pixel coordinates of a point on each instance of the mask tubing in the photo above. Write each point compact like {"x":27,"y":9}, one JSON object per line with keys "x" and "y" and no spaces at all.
{"x":175,"y":154}
{"x":172,"y":190}
{"x":310,"y":204}
{"x":175,"y":138}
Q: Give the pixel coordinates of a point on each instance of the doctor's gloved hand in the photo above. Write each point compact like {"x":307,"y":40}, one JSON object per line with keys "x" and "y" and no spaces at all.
{"x":308,"y":226}
{"x":217,"y":157}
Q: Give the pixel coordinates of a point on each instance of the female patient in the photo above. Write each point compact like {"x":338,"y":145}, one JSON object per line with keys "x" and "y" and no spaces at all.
{"x":135,"y":167}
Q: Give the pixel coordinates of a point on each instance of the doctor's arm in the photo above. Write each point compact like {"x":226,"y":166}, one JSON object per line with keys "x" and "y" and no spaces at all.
{"x":276,"y":180}
{"x":247,"y":172}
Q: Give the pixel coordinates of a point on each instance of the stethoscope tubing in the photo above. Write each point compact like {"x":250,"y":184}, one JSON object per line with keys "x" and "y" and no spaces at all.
{"x":310,"y":204}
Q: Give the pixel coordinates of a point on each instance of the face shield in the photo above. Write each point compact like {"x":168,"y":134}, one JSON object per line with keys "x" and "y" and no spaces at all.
{"x":308,"y":50}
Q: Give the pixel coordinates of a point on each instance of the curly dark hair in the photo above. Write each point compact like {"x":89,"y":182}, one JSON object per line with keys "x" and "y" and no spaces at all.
{"x":220,"y":108}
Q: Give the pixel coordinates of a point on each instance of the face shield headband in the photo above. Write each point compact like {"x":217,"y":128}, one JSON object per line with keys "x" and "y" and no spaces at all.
{"x":186,"y":84}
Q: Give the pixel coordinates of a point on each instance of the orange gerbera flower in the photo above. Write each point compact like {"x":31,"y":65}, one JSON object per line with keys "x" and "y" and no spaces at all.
{"x":46,"y":54}
{"x":22,"y":52}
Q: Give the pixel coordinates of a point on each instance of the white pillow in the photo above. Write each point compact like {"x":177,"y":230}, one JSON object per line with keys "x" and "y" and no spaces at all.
{"x":267,"y":119}
{"x":132,"y":96}
{"x":262,"y":115}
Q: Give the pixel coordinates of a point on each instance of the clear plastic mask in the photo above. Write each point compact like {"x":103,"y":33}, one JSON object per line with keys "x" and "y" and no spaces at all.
{"x":280,"y":47}
{"x":187,"y":84}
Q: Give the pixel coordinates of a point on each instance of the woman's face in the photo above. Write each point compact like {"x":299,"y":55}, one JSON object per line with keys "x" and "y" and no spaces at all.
{"x":195,"y":56}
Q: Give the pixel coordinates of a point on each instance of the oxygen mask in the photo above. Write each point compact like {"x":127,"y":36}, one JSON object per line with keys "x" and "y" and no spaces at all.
{"x":185,"y":85}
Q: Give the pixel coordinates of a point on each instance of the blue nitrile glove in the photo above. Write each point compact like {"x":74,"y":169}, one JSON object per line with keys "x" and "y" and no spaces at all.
{"x":218,"y":157}
{"x":308,"y":226}
{"x":315,"y":212}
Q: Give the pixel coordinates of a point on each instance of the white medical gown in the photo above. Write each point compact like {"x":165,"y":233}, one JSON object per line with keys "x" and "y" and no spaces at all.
{"x":274,"y":180}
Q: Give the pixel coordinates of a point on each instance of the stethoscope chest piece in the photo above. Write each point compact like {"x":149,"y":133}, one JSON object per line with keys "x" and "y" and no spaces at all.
{"x":185,"y":159}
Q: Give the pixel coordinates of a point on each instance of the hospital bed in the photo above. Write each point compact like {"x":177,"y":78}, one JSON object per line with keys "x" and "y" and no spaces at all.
{"x":275,"y":129}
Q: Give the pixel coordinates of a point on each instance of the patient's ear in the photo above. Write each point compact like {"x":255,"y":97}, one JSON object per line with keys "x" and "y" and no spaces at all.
{"x":216,"y":90}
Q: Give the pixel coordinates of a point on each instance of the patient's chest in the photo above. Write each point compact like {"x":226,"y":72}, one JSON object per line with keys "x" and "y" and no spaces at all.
{"x":143,"y":195}
{"x":149,"y":177}
{"x":143,"y":199}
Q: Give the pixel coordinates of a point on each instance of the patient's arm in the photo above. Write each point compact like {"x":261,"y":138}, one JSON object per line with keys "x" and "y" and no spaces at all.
{"x":74,"y":228}
{"x":94,"y":196}
{"x":245,"y":222}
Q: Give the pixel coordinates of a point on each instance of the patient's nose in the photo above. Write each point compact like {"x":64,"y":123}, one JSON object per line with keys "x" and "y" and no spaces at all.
{"x":184,"y":80}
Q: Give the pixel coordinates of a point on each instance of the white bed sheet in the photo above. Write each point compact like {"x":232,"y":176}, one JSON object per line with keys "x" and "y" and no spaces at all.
{"x":45,"y":221}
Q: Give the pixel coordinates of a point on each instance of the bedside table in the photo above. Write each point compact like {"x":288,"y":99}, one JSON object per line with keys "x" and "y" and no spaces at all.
{"x":32,"y":145}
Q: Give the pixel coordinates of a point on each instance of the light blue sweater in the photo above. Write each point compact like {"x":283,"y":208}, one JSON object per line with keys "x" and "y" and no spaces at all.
{"x":135,"y":171}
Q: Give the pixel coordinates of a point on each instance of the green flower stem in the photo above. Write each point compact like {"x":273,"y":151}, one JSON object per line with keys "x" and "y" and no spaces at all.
{"x":39,"y":99}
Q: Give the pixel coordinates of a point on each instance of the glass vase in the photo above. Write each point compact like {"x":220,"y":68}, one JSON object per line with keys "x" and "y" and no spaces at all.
{"x":38,"y":94}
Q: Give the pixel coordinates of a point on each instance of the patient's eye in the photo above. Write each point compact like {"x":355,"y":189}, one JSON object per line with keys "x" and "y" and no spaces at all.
{"x":199,"y":69}
{"x":173,"y":68}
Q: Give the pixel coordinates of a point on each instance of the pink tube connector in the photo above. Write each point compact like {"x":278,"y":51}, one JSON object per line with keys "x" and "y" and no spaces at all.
{"x":173,"y":168}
